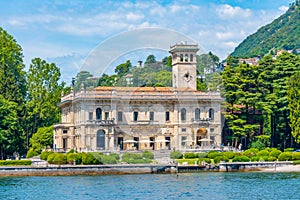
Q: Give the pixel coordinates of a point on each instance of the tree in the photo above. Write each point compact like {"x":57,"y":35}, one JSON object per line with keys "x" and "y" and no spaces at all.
{"x":123,"y":68}
{"x":44,"y":92}
{"x":43,"y":138}
{"x":12,"y":89}
{"x":11,"y":133}
{"x":85,"y":78}
{"x":293,"y":96}
{"x":12,"y":74}
{"x":150,"y":60}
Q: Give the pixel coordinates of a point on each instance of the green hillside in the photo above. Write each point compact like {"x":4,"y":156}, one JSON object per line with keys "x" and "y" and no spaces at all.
{"x":282,"y":33}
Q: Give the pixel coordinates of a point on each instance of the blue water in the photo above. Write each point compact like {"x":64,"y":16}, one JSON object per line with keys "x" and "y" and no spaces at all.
{"x":155,"y":186}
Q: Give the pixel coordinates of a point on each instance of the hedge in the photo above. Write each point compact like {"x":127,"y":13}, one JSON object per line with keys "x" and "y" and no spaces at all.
{"x":285,"y":156}
{"x":218,"y":159}
{"x":44,"y":155}
{"x":15,"y":162}
{"x":263,"y":153}
{"x":148,"y":155}
{"x":241,"y":159}
{"x":213,"y":154}
{"x":275,"y":153}
{"x":176,"y":155}
{"x":296,"y":156}
{"x":251,"y":152}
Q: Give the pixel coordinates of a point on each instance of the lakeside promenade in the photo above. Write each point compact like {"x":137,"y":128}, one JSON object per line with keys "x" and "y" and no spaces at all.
{"x":65,"y":170}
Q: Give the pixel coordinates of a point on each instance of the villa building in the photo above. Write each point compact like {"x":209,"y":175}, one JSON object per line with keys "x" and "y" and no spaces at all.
{"x":110,"y":118}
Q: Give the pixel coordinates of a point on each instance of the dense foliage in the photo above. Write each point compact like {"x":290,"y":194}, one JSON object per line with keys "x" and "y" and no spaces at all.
{"x":15,"y":162}
{"x":258,"y":100}
{"x":282,"y":33}
{"x":250,"y":155}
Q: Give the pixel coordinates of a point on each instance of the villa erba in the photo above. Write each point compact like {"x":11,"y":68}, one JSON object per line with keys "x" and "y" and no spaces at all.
{"x":110,"y":118}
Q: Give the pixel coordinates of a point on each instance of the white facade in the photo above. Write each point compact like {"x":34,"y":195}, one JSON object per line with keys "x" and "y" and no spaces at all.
{"x":109,"y":118}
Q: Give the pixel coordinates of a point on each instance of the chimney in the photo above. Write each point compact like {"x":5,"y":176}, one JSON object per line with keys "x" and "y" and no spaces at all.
{"x":140,"y":64}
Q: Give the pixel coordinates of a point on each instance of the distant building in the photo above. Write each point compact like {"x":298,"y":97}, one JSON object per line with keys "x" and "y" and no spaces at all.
{"x":250,"y":61}
{"x":109,"y":118}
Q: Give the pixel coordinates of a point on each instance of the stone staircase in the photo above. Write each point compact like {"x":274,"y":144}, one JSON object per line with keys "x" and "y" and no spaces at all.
{"x":162,"y":156}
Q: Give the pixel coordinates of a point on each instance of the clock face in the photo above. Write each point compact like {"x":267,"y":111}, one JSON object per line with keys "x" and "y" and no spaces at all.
{"x":187,"y":77}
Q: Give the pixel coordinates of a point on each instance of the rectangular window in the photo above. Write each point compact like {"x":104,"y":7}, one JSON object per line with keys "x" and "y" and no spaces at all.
{"x":212,"y":130}
{"x":135,"y":116}
{"x":151,"y":116}
{"x":183,"y":130}
{"x":90,"y":115}
{"x":106,"y":115}
{"x":65,"y":131}
{"x":120,"y":116}
{"x":167,"y":116}
{"x":65,"y":143}
{"x":183,"y":140}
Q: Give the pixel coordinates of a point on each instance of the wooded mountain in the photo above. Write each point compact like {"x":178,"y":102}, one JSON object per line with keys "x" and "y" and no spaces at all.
{"x":282,"y":33}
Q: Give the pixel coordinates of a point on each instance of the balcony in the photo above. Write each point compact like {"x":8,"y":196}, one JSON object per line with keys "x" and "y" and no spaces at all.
{"x":105,"y":122}
{"x":201,"y":121}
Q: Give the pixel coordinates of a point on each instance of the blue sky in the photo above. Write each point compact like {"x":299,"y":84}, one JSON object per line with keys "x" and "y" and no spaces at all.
{"x":65,"y":32}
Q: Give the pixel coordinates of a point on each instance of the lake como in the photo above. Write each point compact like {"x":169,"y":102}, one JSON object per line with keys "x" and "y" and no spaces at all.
{"x":239,"y":185}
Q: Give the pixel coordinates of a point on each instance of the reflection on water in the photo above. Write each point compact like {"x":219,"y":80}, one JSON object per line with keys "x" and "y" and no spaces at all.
{"x":154,"y":186}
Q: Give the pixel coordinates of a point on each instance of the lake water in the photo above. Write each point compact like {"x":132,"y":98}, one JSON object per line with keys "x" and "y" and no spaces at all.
{"x":244,"y":185}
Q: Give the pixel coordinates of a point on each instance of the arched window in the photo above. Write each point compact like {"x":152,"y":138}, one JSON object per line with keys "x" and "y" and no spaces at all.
{"x":197,"y":114}
{"x":211,"y":114}
{"x":191,"y":58}
{"x":98,"y":114}
{"x":183,"y":114}
{"x":186,"y":58}
{"x":100,"y":139}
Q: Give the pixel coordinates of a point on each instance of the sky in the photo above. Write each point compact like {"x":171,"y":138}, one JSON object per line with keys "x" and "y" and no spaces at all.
{"x":69,"y":32}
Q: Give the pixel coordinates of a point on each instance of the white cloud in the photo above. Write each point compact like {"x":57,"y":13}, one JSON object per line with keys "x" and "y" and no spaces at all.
{"x":228,"y":11}
{"x":134,"y":16}
{"x":283,"y":8}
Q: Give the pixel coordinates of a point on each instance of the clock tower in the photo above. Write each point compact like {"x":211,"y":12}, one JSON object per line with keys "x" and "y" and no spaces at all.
{"x":184,"y":73}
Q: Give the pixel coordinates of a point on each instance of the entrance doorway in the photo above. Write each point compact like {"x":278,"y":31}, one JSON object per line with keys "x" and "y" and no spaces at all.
{"x":152,"y":143}
{"x":201,"y":133}
{"x":120,"y":143}
{"x":100,"y":139}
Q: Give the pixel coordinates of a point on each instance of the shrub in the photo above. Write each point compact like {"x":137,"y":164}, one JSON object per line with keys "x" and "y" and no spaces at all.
{"x":108,"y":159}
{"x":207,"y":160}
{"x":220,"y":158}
{"x":229,"y":154}
{"x":148,"y":155}
{"x":201,"y":155}
{"x":60,"y":159}
{"x":255,"y":158}
{"x":275,"y":153}
{"x":263,"y":158}
{"x":31,"y":153}
{"x":15,"y":162}
{"x":271,"y":158}
{"x":288,"y":149}
{"x":263,"y":153}
{"x":176,"y":155}
{"x":296,"y":156}
{"x":71,"y":151}
{"x":189,"y":155}
{"x":51,"y":157}
{"x":285,"y":156}
{"x":258,"y":145}
{"x":44,"y":155}
{"x":251,"y":152}
{"x":241,"y":159}
{"x":91,"y":159}
{"x":213,"y":154}
{"x":71,"y":157}
{"x":115,"y":155}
